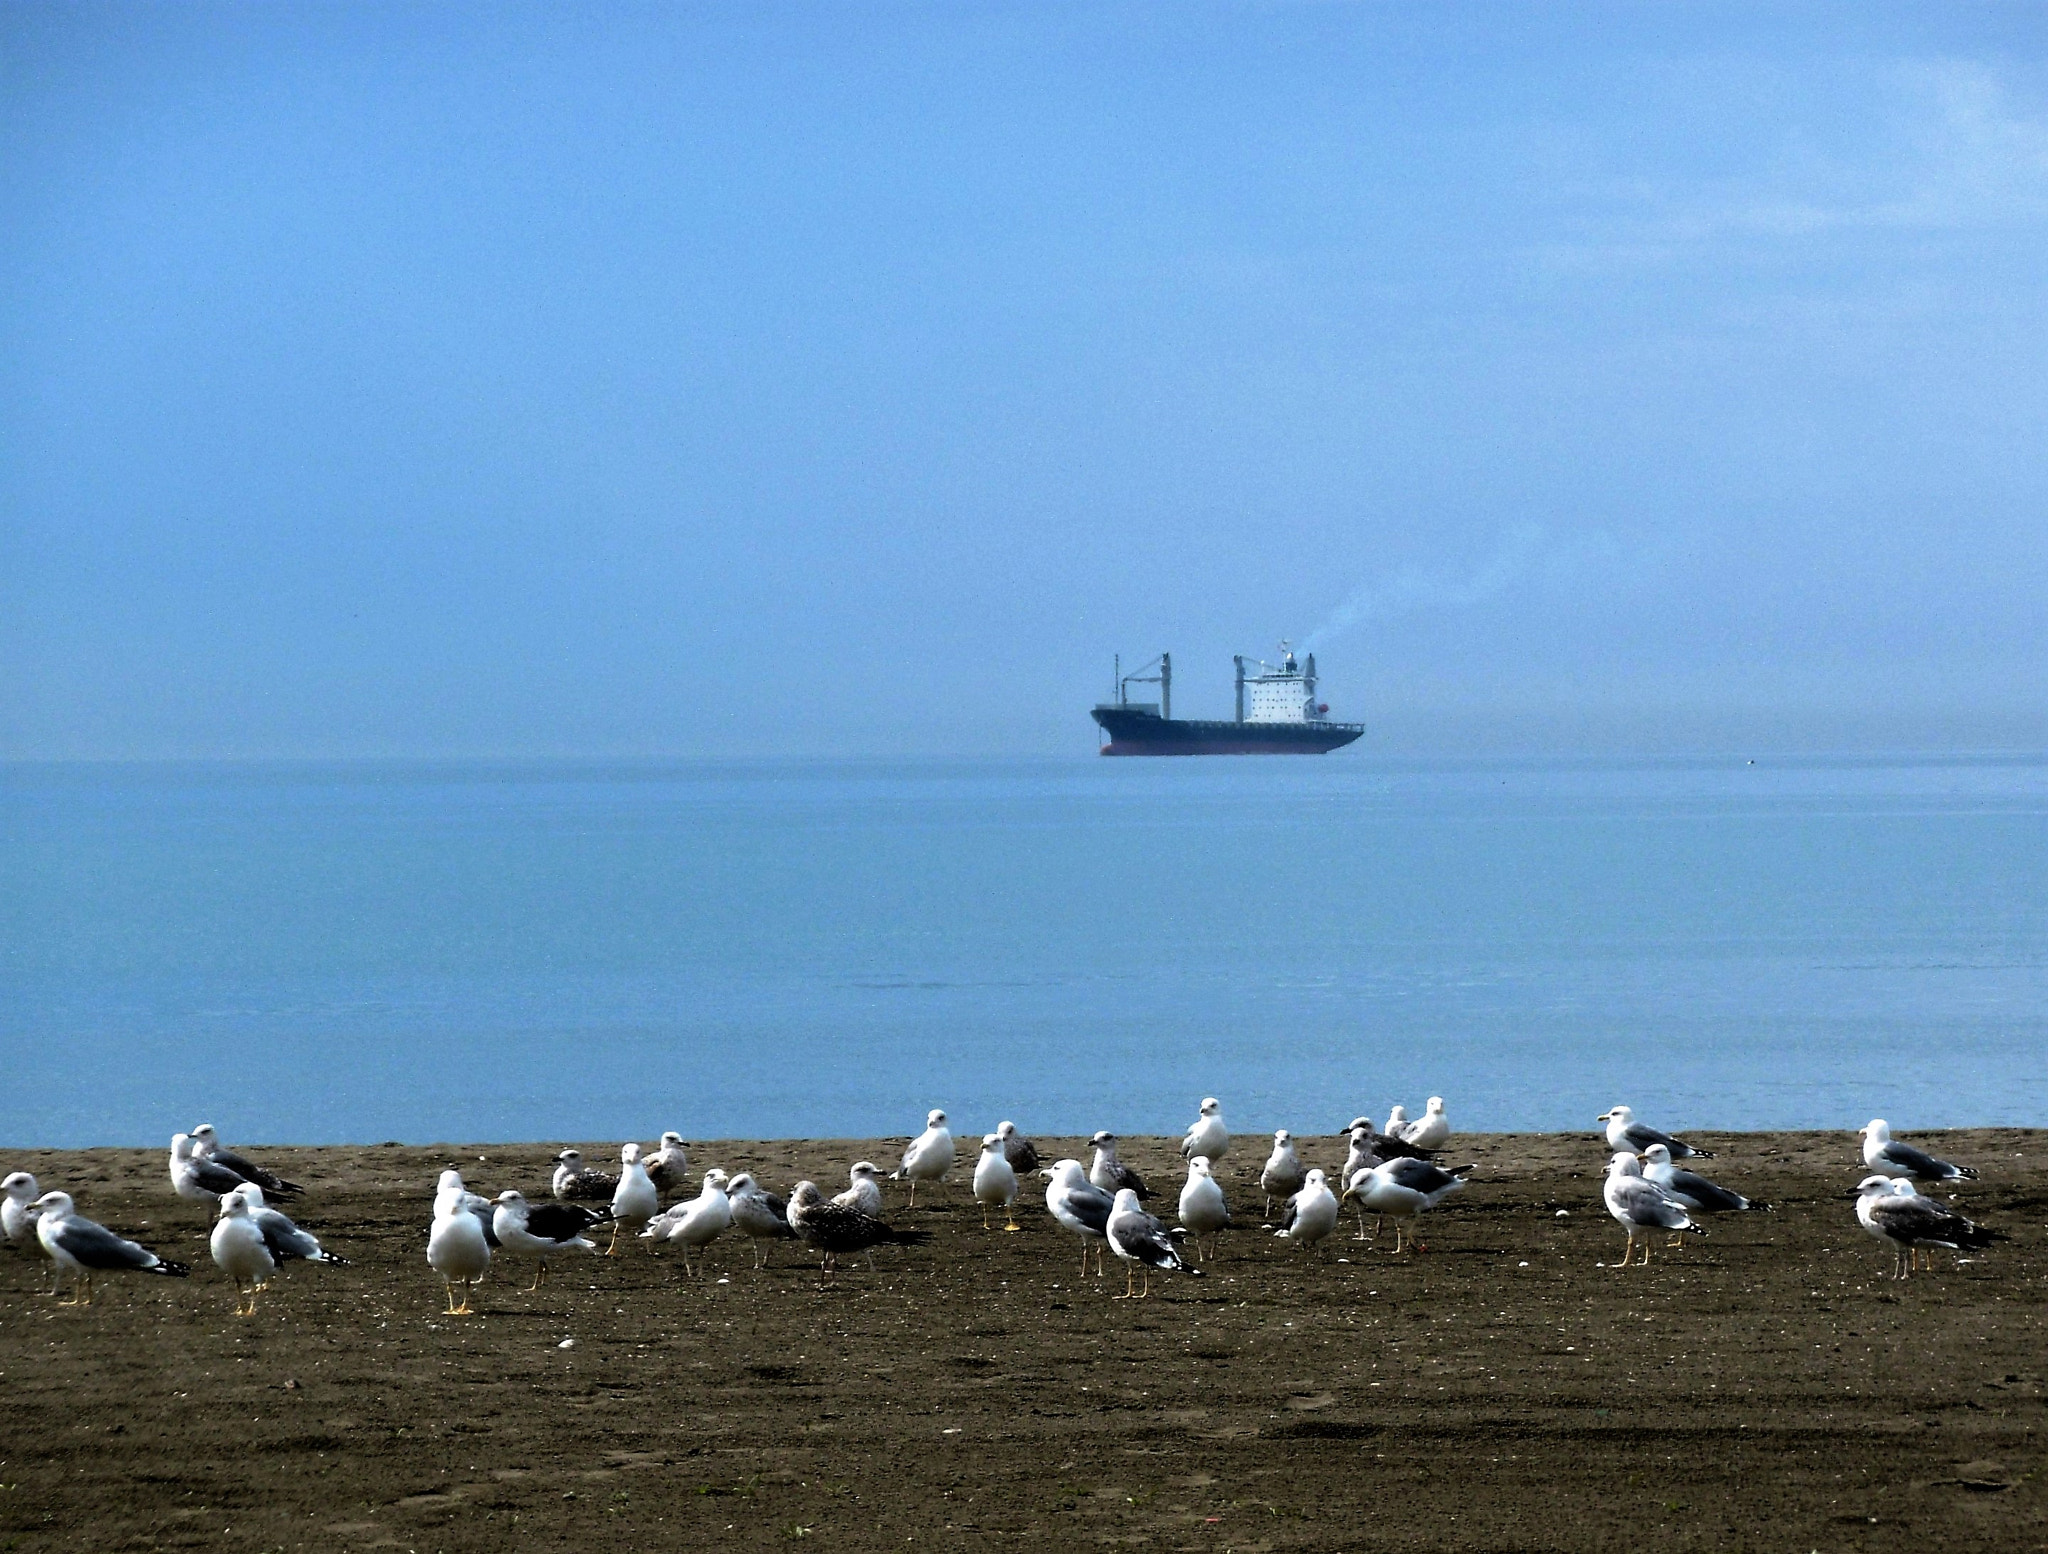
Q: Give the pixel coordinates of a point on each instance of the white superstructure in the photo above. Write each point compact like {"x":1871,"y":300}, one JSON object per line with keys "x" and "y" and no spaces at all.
{"x":1285,"y":693}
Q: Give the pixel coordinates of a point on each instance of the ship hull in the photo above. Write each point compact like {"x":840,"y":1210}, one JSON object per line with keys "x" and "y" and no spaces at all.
{"x":1143,"y":733}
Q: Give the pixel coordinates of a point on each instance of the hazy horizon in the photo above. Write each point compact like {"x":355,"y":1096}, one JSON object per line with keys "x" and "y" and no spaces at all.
{"x":497,"y":382}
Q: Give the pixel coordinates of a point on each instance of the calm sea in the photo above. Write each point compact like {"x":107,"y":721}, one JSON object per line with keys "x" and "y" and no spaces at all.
{"x":337,"y":953}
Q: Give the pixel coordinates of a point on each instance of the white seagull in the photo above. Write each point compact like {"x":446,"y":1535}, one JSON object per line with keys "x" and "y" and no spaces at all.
{"x":240,"y":1251}
{"x":1397,"y":1123}
{"x":995,"y":1182}
{"x":1882,"y":1152}
{"x":1078,"y":1205}
{"x":198,"y":1179}
{"x":930,"y":1155}
{"x":1283,"y":1173}
{"x":666,"y":1165}
{"x":695,"y":1225}
{"x":450,"y":1195}
{"x":18,"y":1214}
{"x":541,"y":1230}
{"x":1142,"y":1242}
{"x":1432,"y":1130}
{"x":1625,"y":1133}
{"x":864,"y":1190}
{"x":1690,"y":1188}
{"x":286,"y":1242}
{"x":1403,"y":1188}
{"x":206,"y":1145}
{"x":1206,"y":1134}
{"x":636,"y":1199}
{"x":457,"y":1248}
{"x":1017,"y":1149}
{"x":1202,"y":1209}
{"x":1909,"y":1223}
{"x":1640,"y":1206}
{"x":573,"y":1179}
{"x":1311,"y":1214}
{"x":82,"y":1248}
{"x":758,"y":1213}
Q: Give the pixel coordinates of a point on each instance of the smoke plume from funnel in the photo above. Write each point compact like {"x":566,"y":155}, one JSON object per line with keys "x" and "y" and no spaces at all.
{"x":1412,"y":589}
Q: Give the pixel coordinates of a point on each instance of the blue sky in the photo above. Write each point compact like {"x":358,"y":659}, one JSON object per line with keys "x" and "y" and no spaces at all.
{"x":737,"y":380}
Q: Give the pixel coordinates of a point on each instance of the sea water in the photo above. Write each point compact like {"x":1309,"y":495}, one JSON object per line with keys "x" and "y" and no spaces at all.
{"x":357,"y":953}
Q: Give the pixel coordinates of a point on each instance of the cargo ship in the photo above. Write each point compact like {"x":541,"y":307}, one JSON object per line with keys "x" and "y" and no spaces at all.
{"x":1277,"y":714}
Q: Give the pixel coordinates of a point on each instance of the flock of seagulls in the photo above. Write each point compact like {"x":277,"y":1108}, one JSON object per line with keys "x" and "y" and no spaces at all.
{"x":1390,"y":1171}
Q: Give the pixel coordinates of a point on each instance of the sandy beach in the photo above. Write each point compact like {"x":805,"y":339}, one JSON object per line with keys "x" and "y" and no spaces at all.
{"x":1762,"y":1388}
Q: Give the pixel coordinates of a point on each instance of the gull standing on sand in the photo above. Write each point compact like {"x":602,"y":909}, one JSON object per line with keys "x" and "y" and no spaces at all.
{"x":1078,"y":1205}
{"x":1397,"y":1123}
{"x":758,"y":1213}
{"x":1311,"y":1214}
{"x":285,"y":1241}
{"x":1432,"y":1130}
{"x":834,"y":1229}
{"x":699,"y":1222}
{"x":1909,"y":1223}
{"x":1017,"y":1149}
{"x":18,"y":1215}
{"x":573,"y":1179}
{"x":82,"y":1248}
{"x":240,"y":1252}
{"x":1690,"y":1188}
{"x":1142,"y":1242}
{"x":930,"y":1155}
{"x":1206,"y":1134}
{"x":197,"y":1179}
{"x":1376,"y":1147}
{"x":864,"y":1191}
{"x":665,"y":1166}
{"x":1625,"y":1133}
{"x":1882,"y":1152}
{"x":450,"y":1195}
{"x":995,"y":1182}
{"x":458,"y":1247}
{"x":636,"y":1200}
{"x":1283,"y":1175}
{"x":1202,"y":1209}
{"x":1640,"y":1206}
{"x":206,"y":1145}
{"x":1110,"y":1173}
{"x":1402,"y":1188}
{"x":543,"y":1230}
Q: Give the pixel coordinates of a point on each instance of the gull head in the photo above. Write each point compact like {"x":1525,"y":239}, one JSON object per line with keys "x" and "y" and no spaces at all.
{"x":250,"y":1194}
{"x":451,"y":1181}
{"x":1103,"y":1140}
{"x":203,"y":1136}
{"x":572,"y":1158}
{"x":233,"y":1206}
{"x":671,"y":1140}
{"x":1199,"y":1166}
{"x":864,"y":1171}
{"x":1211,"y":1106}
{"x":805,"y":1195}
{"x":181,"y":1146}
{"x":1620,"y":1114}
{"x":1874,"y":1187}
{"x":1006,"y":1131}
{"x":1282,"y":1137}
{"x":934,"y":1118}
{"x":991,"y":1143}
{"x":742,"y":1184}
{"x":55,"y":1205}
{"x":1067,"y":1173}
{"x":512,"y":1198}
{"x":1126,"y":1201}
{"x":629,"y":1154}
{"x":1624,"y":1164}
{"x":1436,"y":1104}
{"x":1314,"y":1180}
{"x":1877,"y":1128}
{"x":1657,"y":1154}
{"x":19,"y":1186}
{"x":714,"y":1180}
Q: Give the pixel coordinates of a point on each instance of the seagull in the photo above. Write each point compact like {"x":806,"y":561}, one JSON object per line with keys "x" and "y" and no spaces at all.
{"x":1432,"y":1130}
{"x":1908,"y":1222}
{"x":930,"y":1155}
{"x":206,"y":1145}
{"x":459,"y":1245}
{"x":759,"y":1213}
{"x":1202,"y":1208}
{"x":1403,"y":1188}
{"x":865,"y":1193}
{"x":636,"y":1200}
{"x":18,"y":1215}
{"x":1882,"y":1152}
{"x":81,"y":1248}
{"x":995,"y":1182}
{"x":541,"y":1230}
{"x":1206,"y":1134}
{"x":1283,"y":1175}
{"x":1691,"y":1189}
{"x":573,"y":1179}
{"x":1110,"y":1173}
{"x":285,"y":1240}
{"x":240,"y":1250}
{"x":1142,"y":1242}
{"x":1080,"y":1206}
{"x":195,"y":1177}
{"x":699,"y":1222}
{"x":451,"y":1195}
{"x":1311,"y":1214}
{"x":834,"y":1228}
{"x":665,"y":1165}
{"x":1017,"y":1149}
{"x":1397,"y":1122}
{"x":1625,"y":1133}
{"x":1641,"y":1206}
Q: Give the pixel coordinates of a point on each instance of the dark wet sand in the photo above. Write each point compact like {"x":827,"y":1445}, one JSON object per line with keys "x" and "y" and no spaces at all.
{"x":1761,"y":1389}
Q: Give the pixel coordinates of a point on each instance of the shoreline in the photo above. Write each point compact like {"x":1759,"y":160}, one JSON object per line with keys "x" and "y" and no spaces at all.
{"x":1762,"y":1387}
